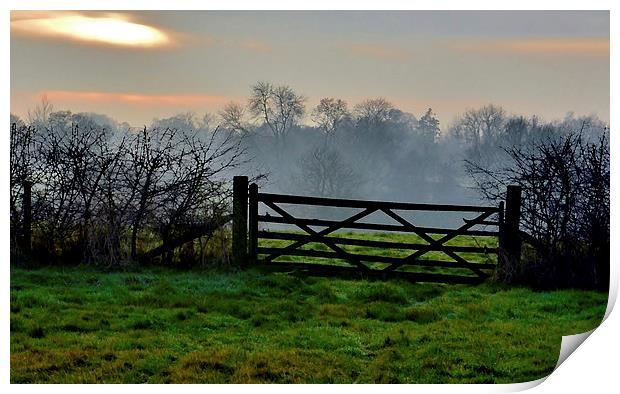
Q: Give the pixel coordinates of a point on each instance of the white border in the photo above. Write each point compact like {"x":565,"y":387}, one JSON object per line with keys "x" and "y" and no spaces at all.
{"x":592,"y":368}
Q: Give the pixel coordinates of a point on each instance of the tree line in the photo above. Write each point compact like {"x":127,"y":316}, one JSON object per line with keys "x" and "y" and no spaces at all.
{"x":93,"y":175}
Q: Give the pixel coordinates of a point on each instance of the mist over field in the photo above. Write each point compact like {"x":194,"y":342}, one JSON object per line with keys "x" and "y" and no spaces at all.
{"x":423,"y":107}
{"x":385,"y":105}
{"x":367,"y":150}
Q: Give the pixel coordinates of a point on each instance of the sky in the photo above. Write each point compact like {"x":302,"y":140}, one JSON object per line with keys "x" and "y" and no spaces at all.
{"x":137,"y":66}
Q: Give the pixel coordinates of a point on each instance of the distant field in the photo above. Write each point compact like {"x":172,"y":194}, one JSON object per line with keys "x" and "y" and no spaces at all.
{"x":478,"y":241}
{"x":77,"y":325}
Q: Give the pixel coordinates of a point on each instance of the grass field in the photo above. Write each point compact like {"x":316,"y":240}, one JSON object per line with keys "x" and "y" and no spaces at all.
{"x":478,"y":241}
{"x":81,"y":324}
{"x":77,"y":325}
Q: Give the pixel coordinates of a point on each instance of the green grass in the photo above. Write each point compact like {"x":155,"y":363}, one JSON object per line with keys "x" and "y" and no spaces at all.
{"x":78,"y":325}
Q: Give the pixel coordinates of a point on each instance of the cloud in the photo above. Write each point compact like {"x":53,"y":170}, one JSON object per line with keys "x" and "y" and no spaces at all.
{"x":115,"y":29}
{"x":251,"y":45}
{"x":100,"y":28}
{"x":255,"y":45}
{"x":596,"y":47}
{"x":135,"y":108}
{"x":137,"y":99}
{"x":378,"y":51}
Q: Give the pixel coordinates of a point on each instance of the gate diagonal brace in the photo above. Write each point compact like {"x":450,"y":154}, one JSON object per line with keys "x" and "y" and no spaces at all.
{"x":319,"y":236}
{"x":436,"y":243}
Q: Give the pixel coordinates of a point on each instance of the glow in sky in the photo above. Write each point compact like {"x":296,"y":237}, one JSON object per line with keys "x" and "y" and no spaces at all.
{"x":138,"y":65}
{"x":114,"y":30}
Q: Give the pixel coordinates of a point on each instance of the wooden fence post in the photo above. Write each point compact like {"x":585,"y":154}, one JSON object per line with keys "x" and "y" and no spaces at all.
{"x":510,"y":239}
{"x":253,"y":222}
{"x":27,"y":211}
{"x":240,"y":218}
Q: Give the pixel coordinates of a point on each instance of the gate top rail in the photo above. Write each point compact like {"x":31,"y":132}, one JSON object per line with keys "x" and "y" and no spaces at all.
{"x":346,"y":203}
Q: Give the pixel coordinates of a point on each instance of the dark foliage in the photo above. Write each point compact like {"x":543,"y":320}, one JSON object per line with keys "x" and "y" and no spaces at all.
{"x":565,"y":210}
{"x":100,"y":196}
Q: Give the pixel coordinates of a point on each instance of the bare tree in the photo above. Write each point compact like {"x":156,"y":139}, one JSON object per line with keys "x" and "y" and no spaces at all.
{"x":483,"y":124}
{"x":329,"y":114}
{"x":565,"y":208}
{"x":373,"y":112}
{"x":183,"y":121}
{"x":149,"y":159}
{"x":233,"y":117}
{"x":516,"y":130}
{"x":39,"y":116}
{"x":111,"y":206}
{"x":198,"y":192}
{"x":279,"y":107}
{"x":68,"y":169}
{"x":492,"y":118}
{"x":89,"y":158}
{"x":324,"y":172}
{"x":22,"y":161}
{"x":172,"y":178}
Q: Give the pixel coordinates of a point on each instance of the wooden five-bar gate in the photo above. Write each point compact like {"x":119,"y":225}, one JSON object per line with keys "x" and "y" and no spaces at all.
{"x":415,"y":265}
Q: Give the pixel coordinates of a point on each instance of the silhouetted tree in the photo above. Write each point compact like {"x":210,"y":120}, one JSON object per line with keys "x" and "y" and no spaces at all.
{"x":69,"y":167}
{"x":329,"y":114}
{"x":233,"y":117}
{"x":481,"y":125}
{"x":278,"y":107}
{"x":372,"y":113}
{"x":565,"y":208}
{"x":428,"y":126}
{"x":39,"y":116}
{"x":22,"y":156}
{"x":173,"y":178}
{"x":324,"y":172}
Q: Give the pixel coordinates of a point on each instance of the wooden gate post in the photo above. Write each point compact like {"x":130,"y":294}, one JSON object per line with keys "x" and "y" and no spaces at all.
{"x":27,"y":211}
{"x":240,"y":218}
{"x":253,"y":222}
{"x":510,"y":239}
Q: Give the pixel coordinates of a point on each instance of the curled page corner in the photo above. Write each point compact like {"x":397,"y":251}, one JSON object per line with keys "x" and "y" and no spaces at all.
{"x":570,"y":343}
{"x":523,"y":386}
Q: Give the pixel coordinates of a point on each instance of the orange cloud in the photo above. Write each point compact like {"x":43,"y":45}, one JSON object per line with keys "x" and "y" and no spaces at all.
{"x":255,"y":45}
{"x":101,"y":28}
{"x":378,"y":51}
{"x":137,"y":99}
{"x":248,"y":45}
{"x":135,"y":108}
{"x":541,"y":46}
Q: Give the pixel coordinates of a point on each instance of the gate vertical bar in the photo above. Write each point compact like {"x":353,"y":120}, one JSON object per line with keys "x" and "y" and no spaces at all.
{"x":500,"y":228}
{"x":240,"y":220}
{"x":253,"y":222}
{"x":510,"y":239}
